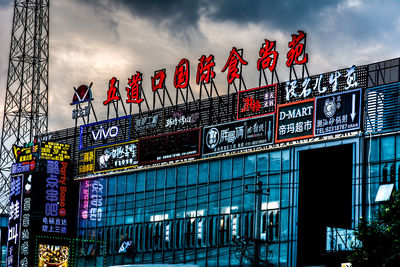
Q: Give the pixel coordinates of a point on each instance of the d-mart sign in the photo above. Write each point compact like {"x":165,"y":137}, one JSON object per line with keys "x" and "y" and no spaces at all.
{"x":295,"y":121}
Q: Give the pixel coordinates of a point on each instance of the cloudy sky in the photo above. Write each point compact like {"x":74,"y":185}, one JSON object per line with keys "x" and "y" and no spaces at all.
{"x":94,"y":40}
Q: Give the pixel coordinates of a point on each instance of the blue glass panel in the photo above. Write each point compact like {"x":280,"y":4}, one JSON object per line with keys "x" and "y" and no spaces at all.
{"x":182,"y":175}
{"x":398,"y":147}
{"x":203,"y":172}
{"x":214,"y":171}
{"x":250,"y":165}
{"x":284,"y":227}
{"x":111,"y":185}
{"x":171,"y":177}
{"x":160,"y":180}
{"x":275,"y":161}
{"x":237,"y":167}
{"x":192,"y":174}
{"x":130,"y":183}
{"x":226,"y":169}
{"x":140,"y":181}
{"x":387,"y":148}
{"x":150,"y":180}
{"x":286,"y":160}
{"x":121,"y":184}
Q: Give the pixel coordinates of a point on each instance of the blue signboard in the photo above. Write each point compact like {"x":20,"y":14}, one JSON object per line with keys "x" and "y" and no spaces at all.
{"x":338,"y":113}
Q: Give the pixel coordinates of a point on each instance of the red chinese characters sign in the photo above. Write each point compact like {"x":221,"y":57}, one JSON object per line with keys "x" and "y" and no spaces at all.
{"x":232,"y":65}
{"x":112,"y":92}
{"x":268,"y":56}
{"x":181,"y":76}
{"x":205,"y":69}
{"x":133,"y":88}
{"x":296,"y":50}
{"x":158,"y":81}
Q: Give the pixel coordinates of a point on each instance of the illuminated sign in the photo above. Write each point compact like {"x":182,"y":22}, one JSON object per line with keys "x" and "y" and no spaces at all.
{"x":53,"y":255}
{"x":86,"y":162}
{"x":15,"y":220}
{"x":91,"y":202}
{"x":338,"y":113}
{"x":120,"y":156}
{"x":105,"y":133}
{"x":170,"y":147}
{"x":56,"y":193}
{"x":23,"y":167}
{"x":26,"y":153}
{"x":295,"y":121}
{"x":179,"y":118}
{"x":256,"y":102}
{"x":323,"y":84}
{"x":146,"y":122}
{"x":55,"y":151}
{"x":238,"y":135}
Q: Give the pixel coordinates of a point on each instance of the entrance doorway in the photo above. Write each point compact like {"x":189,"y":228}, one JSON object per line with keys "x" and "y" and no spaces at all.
{"x":325,"y":199}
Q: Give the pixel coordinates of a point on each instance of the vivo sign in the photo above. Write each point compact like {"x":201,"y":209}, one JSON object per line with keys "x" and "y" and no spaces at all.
{"x":105,"y":133}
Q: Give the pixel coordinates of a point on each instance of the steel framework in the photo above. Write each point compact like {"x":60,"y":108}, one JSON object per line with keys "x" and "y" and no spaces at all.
{"x":26,"y":100}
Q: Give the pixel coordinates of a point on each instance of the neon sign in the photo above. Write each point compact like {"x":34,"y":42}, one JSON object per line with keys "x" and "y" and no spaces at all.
{"x":256,"y":102}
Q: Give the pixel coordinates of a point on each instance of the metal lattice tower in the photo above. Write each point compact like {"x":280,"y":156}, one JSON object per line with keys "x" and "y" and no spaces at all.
{"x":26,"y":100}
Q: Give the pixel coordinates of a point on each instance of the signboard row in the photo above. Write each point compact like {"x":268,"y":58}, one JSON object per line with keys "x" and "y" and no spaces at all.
{"x":319,"y":116}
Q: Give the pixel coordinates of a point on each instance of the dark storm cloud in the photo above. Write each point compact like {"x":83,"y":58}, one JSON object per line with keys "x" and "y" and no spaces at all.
{"x":5,"y":2}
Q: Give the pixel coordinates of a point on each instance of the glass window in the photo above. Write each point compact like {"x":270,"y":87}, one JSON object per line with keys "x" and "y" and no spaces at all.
{"x":140,"y":181}
{"x":387,"y":148}
{"x":203,"y":172}
{"x":160,"y":180}
{"x":121,"y":184}
{"x":111,"y":185}
{"x":275,"y":161}
{"x":250,"y":165}
{"x":150,"y":180}
{"x":182,"y":175}
{"x":171,"y":182}
{"x":286,"y":160}
{"x":192,"y":174}
{"x":214,"y":171}
{"x":226,"y":169}
{"x":237,"y":167}
{"x":130,"y":183}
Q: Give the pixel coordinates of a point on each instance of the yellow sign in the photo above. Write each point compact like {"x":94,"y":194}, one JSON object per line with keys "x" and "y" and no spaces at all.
{"x":55,"y":151}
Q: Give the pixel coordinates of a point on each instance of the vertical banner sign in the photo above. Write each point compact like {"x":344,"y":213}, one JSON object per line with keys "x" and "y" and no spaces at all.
{"x":295,"y":121}
{"x":14,"y":221}
{"x":170,"y":147}
{"x":121,"y":156}
{"x":238,"y":135}
{"x":256,"y":102}
{"x":91,"y":202}
{"x":105,"y":133}
{"x":56,"y":192}
{"x":338,"y":113}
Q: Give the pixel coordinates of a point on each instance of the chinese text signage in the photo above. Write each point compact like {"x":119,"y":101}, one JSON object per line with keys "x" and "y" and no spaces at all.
{"x":338,"y":113}
{"x":238,"y":135}
{"x":295,"y":121}
{"x":121,"y":156}
{"x":256,"y":102}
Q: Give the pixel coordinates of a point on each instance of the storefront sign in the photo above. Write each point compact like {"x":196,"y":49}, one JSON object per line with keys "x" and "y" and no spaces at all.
{"x":238,"y":135}
{"x":56,"y":194}
{"x":26,"y":153}
{"x":86,"y":162}
{"x":18,"y":168}
{"x":338,"y":113}
{"x":105,"y":133}
{"x":323,"y":84}
{"x":179,"y":118}
{"x":121,"y":156}
{"x":80,"y":112}
{"x":256,"y":102}
{"x":295,"y":121}
{"x":91,"y":203}
{"x":55,"y":151}
{"x":146,"y":122}
{"x":170,"y":147}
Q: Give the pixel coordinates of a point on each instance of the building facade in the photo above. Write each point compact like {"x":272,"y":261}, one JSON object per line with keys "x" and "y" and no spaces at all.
{"x":214,"y":183}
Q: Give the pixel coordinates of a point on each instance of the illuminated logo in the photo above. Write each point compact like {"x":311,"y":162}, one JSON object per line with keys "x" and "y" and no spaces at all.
{"x":102,"y":134}
{"x":82,"y":94}
{"x":330,"y":107}
{"x":212,"y":138}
